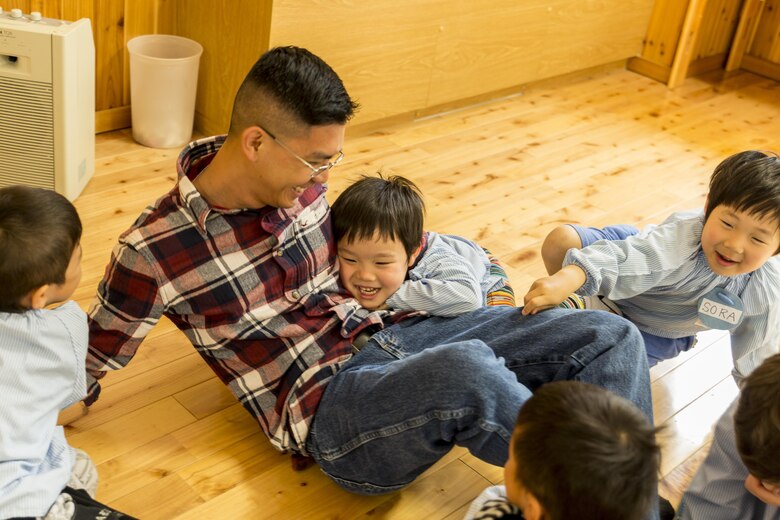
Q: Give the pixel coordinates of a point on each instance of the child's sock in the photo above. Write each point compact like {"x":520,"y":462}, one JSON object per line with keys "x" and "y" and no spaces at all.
{"x":574,"y":301}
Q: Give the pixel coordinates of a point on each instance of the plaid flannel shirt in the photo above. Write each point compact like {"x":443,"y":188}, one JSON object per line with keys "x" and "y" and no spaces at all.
{"x":254,"y":290}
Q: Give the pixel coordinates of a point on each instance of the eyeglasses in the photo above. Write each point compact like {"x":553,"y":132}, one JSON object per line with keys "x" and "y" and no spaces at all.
{"x":315,"y":170}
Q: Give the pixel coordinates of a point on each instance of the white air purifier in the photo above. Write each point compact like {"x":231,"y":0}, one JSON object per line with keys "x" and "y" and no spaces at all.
{"x":47,"y":102}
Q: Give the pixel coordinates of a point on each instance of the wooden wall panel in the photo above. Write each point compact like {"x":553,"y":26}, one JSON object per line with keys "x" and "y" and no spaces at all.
{"x":766,"y":43}
{"x":383,"y":50}
{"x":663,"y":31}
{"x":487,"y":47}
{"x":233,"y":35}
{"x":49,"y":8}
{"x":406,"y":56}
{"x":714,"y":38}
{"x":717,"y":28}
{"x":108,"y":31}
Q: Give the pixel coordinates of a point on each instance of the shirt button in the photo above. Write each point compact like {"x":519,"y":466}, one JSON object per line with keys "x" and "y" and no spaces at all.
{"x":296,"y":294}
{"x":278,"y":252}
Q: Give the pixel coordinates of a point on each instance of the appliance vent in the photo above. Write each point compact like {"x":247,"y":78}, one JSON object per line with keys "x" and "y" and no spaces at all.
{"x":26,"y":133}
{"x":47,"y":102}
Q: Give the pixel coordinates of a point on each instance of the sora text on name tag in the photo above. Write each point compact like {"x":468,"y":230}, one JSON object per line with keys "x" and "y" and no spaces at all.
{"x":720,"y":311}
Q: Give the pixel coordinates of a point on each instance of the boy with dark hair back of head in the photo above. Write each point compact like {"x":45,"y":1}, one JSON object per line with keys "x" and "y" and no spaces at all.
{"x":387,"y":261}
{"x":42,"y":359}
{"x":577,"y":451}
{"x":740,"y":477}
{"x":715,"y":268}
{"x":39,"y":234}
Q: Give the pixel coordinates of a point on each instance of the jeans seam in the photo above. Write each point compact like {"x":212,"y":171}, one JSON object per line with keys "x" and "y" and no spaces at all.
{"x":409,"y":424}
{"x":388,"y":341}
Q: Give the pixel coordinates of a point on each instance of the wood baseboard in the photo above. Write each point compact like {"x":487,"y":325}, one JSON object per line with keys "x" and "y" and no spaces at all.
{"x":761,"y":67}
{"x":648,"y":68}
{"x":708,"y":64}
{"x":436,"y":110}
{"x":112,"y":119}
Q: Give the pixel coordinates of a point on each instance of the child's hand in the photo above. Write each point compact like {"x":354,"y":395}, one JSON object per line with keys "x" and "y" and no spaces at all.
{"x":769,"y":494}
{"x":548,"y":292}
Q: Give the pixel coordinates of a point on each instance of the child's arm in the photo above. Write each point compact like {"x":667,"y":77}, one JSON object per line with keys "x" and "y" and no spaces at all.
{"x":549,"y":292}
{"x":621,"y":269}
{"x":445,"y":286}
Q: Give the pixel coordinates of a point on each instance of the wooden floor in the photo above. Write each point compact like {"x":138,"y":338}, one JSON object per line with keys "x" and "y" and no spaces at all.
{"x":171,"y":442}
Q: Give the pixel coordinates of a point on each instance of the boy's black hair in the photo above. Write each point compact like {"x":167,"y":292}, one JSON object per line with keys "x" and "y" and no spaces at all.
{"x":586,"y":453}
{"x":391,"y":206}
{"x":39,"y":230}
{"x":298,"y":83}
{"x":757,"y":421}
{"x":747,"y":181}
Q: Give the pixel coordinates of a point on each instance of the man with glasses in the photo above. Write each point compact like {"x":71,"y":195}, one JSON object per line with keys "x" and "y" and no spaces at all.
{"x":240,"y":256}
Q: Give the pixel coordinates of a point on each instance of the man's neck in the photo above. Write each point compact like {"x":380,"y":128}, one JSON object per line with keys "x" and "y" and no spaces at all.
{"x":218,"y":182}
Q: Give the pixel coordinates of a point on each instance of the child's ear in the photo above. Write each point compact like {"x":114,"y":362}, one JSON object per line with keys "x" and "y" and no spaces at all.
{"x":533,"y":509}
{"x":413,"y":256}
{"x":36,"y":299}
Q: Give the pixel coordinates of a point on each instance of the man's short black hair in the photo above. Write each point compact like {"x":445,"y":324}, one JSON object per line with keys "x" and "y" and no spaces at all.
{"x":291,"y":82}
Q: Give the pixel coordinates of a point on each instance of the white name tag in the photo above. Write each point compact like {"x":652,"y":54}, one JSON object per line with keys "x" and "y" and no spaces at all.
{"x":719,"y":311}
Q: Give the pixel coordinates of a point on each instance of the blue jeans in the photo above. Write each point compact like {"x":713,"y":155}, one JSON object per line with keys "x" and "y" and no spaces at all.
{"x":424,"y":385}
{"x":659,"y":349}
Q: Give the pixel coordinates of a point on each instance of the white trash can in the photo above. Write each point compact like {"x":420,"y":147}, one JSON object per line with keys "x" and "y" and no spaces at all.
{"x":163,"y":83}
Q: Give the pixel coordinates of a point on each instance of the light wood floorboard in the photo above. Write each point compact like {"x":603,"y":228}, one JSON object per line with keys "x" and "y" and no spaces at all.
{"x":171,"y":442}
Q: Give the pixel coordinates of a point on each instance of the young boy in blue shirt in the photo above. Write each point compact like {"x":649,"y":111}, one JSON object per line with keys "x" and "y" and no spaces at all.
{"x":42,"y":360}
{"x":577,"y":451}
{"x":740,"y":478}
{"x":697,"y":270}
{"x":386,"y":261}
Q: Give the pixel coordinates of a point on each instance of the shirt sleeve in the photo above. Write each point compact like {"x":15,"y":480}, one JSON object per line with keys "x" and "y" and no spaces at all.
{"x":621,"y":269}
{"x":74,"y":320}
{"x":441,"y":284}
{"x":758,"y":335}
{"x":492,"y":503}
{"x":127,"y":307}
{"x":717,"y":491}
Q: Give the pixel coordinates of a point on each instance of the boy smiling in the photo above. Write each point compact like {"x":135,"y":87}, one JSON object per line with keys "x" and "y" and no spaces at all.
{"x":667,"y":277}
{"x":386,"y":261}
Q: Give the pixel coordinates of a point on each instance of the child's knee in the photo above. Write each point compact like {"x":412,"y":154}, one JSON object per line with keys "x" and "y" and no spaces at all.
{"x":555,"y":245}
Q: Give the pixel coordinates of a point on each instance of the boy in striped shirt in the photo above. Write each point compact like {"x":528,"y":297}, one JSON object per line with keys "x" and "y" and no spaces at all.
{"x":666,"y":278}
{"x":386,"y":261}
{"x":740,"y":478}
{"x":42,"y":360}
